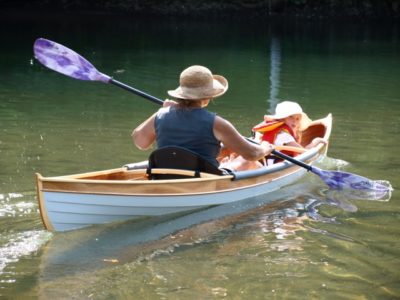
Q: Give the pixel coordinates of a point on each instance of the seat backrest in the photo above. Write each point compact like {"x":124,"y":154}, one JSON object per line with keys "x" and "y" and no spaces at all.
{"x":174,"y":157}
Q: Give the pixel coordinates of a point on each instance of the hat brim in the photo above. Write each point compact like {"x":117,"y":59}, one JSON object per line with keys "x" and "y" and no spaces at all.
{"x":304,"y":122}
{"x":220,"y":86}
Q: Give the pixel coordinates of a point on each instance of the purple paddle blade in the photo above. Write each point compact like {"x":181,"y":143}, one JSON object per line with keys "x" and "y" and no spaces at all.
{"x":343,"y":180}
{"x":66,"y":61}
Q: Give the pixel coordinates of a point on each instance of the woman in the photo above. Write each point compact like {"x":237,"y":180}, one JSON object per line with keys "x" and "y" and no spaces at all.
{"x":186,"y":123}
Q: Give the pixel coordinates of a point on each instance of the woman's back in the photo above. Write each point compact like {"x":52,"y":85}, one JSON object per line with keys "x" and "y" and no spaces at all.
{"x":191,"y":128}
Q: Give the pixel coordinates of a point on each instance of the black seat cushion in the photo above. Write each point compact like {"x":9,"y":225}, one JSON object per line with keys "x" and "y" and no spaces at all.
{"x":174,"y":157}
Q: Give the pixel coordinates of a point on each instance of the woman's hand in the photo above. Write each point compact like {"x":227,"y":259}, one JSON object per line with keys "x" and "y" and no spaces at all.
{"x":267,"y":148}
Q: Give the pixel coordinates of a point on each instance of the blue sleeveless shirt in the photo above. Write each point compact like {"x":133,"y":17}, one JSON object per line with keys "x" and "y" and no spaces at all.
{"x":191,"y":128}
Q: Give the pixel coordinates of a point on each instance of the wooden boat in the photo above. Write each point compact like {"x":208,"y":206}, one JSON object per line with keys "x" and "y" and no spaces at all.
{"x":80,"y":200}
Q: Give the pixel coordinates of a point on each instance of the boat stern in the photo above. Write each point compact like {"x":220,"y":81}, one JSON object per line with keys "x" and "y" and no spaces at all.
{"x":42,"y":205}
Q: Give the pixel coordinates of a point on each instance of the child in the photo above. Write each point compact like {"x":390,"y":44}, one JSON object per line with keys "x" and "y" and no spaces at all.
{"x":285,"y":126}
{"x":282,"y":129}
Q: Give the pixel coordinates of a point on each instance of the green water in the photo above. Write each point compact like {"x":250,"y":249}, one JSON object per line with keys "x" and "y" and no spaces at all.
{"x":309,"y":244}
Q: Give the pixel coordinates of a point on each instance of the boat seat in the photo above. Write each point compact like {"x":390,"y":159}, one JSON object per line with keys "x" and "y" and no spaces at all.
{"x":174,"y":157}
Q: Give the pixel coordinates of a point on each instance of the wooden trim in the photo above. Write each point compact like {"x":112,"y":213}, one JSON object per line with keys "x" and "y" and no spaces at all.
{"x":82,"y":179}
{"x":290,"y":148}
{"x":42,"y":207}
{"x":93,"y":173}
{"x":182,"y":172}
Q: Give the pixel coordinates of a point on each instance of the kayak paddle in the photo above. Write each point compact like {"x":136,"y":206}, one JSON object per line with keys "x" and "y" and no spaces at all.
{"x":66,"y":61}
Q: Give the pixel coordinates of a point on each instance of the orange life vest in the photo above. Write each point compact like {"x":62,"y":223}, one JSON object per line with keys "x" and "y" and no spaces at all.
{"x":270,"y":129}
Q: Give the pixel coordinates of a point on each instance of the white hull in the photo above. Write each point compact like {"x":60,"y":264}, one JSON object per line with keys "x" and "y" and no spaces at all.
{"x":76,"y":210}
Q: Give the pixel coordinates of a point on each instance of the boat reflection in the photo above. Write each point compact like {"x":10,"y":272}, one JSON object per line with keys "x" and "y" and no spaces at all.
{"x":96,"y":247}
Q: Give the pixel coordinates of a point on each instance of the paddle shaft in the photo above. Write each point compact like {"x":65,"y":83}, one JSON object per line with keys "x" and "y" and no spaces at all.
{"x":292,"y":160}
{"x":136,"y":91}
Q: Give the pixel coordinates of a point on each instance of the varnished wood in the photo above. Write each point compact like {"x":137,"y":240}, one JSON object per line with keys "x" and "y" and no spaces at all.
{"x":290,"y":148}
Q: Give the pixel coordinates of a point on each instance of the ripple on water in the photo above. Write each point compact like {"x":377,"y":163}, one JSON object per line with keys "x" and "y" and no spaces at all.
{"x":12,"y":206}
{"x":21,"y":244}
{"x":18,"y":238}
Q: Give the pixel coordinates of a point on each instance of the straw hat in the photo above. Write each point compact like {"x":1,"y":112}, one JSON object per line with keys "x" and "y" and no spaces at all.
{"x":197,"y":83}
{"x":289,"y":108}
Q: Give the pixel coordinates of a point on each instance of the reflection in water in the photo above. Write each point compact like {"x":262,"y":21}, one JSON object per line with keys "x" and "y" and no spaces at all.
{"x":285,"y":224}
{"x":274,"y":76}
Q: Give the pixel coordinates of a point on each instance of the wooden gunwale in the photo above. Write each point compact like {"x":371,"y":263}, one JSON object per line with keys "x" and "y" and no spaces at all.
{"x":81,"y":177}
{"x":134,"y":172}
{"x":162,"y":187}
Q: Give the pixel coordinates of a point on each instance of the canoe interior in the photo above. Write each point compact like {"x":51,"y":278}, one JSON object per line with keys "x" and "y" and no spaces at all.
{"x":316,"y":129}
{"x":117,"y":175}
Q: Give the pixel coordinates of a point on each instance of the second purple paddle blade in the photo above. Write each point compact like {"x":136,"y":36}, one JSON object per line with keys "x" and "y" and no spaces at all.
{"x":345,"y":180}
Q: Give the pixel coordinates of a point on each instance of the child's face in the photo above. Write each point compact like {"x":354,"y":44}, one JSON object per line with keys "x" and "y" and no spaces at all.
{"x":293,"y":121}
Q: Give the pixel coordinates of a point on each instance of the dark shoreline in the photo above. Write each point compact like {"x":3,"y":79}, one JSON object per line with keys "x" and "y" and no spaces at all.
{"x":238,"y":9}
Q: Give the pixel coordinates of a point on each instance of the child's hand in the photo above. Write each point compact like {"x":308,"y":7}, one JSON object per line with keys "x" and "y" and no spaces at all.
{"x":319,"y":140}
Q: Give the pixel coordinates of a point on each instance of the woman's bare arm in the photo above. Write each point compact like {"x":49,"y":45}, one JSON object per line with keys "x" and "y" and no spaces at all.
{"x":225,"y":132}
{"x":144,"y":135}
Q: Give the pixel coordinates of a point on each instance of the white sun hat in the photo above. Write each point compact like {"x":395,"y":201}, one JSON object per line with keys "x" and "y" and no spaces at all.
{"x":289,"y":108}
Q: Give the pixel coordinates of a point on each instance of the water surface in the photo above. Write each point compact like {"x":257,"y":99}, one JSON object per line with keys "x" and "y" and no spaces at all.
{"x":309,"y":243}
